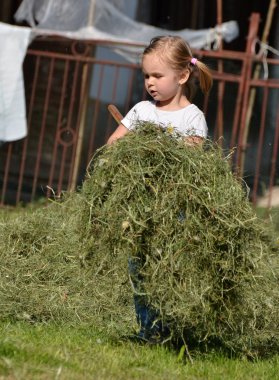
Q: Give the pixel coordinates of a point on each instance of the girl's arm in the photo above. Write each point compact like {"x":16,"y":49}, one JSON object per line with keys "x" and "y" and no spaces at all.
{"x":118,"y":133}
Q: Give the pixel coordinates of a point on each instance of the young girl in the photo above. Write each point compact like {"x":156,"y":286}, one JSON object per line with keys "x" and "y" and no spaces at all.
{"x":168,"y":67}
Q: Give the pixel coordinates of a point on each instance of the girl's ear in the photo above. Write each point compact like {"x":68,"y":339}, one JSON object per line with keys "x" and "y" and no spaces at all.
{"x":184,"y":76}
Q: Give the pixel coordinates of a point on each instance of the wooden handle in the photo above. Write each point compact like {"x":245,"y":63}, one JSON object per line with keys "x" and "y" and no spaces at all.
{"x":115,"y":113}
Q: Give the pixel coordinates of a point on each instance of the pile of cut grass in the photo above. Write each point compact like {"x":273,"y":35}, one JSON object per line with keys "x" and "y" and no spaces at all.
{"x":44,"y":274}
{"x":209,"y":265}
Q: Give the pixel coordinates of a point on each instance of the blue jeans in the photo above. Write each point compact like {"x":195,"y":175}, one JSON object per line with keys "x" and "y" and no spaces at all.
{"x":147,"y":316}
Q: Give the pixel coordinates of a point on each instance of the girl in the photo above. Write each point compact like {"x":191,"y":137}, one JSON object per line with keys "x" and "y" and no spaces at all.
{"x":168,"y":67}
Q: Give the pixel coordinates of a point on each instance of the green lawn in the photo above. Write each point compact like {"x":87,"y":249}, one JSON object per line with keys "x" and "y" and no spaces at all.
{"x":55,"y":351}
{"x":67,"y":352}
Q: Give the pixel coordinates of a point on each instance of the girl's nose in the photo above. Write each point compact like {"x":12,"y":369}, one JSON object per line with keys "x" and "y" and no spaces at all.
{"x":149,"y":82}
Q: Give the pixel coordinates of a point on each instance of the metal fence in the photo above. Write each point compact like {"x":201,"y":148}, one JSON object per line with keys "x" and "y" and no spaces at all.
{"x":68,"y":89}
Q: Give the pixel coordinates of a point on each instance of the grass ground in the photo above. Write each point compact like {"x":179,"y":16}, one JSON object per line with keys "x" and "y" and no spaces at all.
{"x":80,"y":352}
{"x":69,"y":352}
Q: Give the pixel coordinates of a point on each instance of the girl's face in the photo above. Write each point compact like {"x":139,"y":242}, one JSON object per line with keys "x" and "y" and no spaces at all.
{"x":161,"y":81}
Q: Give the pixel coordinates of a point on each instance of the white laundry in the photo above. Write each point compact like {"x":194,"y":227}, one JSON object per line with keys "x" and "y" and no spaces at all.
{"x":103,"y":20}
{"x":13,"y":44}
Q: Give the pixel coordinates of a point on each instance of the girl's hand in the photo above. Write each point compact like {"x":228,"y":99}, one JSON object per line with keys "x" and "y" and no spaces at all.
{"x":194,"y":140}
{"x":117,"y":134}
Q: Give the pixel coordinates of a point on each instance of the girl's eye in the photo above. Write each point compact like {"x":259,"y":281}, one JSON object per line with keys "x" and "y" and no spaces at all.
{"x":157,"y":76}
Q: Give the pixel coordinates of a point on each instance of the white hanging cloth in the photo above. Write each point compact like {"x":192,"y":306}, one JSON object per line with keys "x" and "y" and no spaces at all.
{"x":13,"y":44}
{"x":102,"y":20}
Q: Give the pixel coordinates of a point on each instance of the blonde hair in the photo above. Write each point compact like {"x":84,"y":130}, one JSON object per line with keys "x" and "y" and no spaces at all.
{"x":177,"y":53}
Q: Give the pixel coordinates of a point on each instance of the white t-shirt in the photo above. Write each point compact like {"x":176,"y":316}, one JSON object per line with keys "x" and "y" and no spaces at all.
{"x":188,"y":121}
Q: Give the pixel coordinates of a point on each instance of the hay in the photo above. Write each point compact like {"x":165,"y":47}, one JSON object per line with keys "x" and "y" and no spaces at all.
{"x":43,"y":273}
{"x":209,"y":265}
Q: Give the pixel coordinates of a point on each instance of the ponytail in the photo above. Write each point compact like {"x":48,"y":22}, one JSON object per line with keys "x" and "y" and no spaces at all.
{"x":205,"y":77}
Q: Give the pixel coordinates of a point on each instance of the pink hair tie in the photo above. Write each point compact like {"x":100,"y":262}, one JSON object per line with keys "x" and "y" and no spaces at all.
{"x":194,"y":61}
